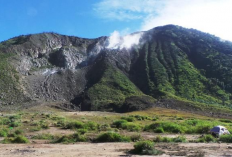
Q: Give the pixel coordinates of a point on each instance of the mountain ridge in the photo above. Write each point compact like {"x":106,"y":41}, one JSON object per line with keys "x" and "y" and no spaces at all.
{"x":169,"y":62}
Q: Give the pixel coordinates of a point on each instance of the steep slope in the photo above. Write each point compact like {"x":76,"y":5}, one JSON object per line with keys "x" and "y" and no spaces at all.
{"x":169,"y":66}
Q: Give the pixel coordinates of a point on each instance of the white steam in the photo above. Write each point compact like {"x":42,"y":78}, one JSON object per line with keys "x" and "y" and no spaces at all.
{"x":119,"y":42}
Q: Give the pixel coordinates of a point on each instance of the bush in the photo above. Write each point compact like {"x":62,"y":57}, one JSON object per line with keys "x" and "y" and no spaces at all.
{"x":112,"y":137}
{"x":74,"y":125}
{"x":145,"y":148}
{"x":203,"y":129}
{"x":14,"y":124}
{"x":3,"y":132}
{"x":71,"y":138}
{"x":206,"y":138}
{"x":91,"y":126}
{"x":166,"y":126}
{"x":129,"y":119}
{"x":82,"y":131}
{"x":159,"y":130}
{"x":179,"y":139}
{"x":17,"y":139}
{"x":118,"y":123}
{"x":18,"y":132}
{"x":131,"y":126}
{"x":225,"y":120}
{"x":226,"y":138}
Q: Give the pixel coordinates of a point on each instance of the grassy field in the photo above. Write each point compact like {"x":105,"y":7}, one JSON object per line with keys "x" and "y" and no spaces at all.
{"x":147,"y":127}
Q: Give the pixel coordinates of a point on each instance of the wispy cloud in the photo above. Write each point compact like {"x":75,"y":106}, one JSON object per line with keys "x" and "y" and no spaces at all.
{"x":126,"y":9}
{"x":212,"y":16}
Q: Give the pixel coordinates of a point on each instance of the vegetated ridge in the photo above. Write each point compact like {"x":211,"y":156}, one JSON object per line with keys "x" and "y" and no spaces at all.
{"x":171,"y":67}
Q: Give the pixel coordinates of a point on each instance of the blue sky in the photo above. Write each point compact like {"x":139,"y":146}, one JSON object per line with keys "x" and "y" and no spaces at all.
{"x":95,"y":18}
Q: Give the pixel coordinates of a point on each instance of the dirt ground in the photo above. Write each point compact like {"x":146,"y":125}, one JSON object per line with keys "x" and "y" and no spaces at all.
{"x":112,"y":149}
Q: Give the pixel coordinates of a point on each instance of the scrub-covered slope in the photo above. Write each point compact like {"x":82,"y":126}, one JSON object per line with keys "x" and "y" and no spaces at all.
{"x":134,"y":72}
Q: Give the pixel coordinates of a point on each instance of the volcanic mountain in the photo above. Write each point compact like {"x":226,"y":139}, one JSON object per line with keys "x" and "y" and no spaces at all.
{"x":168,"y":66}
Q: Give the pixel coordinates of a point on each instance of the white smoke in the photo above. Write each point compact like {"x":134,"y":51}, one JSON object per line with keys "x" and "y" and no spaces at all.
{"x":119,"y":42}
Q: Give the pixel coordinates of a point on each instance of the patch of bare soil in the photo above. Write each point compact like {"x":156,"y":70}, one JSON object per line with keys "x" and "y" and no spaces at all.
{"x":113,"y":149}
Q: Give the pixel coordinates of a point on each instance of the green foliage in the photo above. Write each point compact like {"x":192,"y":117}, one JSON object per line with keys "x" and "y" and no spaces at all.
{"x":166,"y":127}
{"x":16,"y":139}
{"x":76,"y":137}
{"x":112,"y":137}
{"x":206,"y":139}
{"x":226,"y":138}
{"x":113,"y":88}
{"x":74,"y":125}
{"x":3,"y":132}
{"x":178,"y":139}
{"x":129,"y":119}
{"x":118,"y":123}
{"x":159,"y":130}
{"x":145,"y":148}
{"x":131,"y":126}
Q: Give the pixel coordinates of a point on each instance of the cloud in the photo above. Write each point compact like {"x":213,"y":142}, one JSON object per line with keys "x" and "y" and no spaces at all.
{"x":212,"y":16}
{"x":126,"y":9}
{"x":116,"y":41}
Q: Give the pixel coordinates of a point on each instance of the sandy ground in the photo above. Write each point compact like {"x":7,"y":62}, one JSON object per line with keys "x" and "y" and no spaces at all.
{"x":112,"y":150}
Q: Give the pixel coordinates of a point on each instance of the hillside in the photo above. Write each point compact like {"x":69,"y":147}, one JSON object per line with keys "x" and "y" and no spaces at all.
{"x":170,"y":66}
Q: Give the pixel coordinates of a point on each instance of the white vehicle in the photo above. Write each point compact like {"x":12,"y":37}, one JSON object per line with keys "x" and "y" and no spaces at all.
{"x":219,"y":130}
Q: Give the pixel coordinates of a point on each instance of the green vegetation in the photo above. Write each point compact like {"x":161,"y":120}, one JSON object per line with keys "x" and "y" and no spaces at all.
{"x":16,"y":139}
{"x":226,"y":138}
{"x":112,"y":137}
{"x":145,"y":148}
{"x":76,"y":137}
{"x":206,"y":139}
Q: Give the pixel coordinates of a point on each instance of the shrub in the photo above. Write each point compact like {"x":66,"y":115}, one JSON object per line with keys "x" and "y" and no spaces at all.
{"x":118,"y":123}
{"x":203,"y":129}
{"x":179,"y":139}
{"x":131,"y":126}
{"x":3,"y":132}
{"x":74,"y":125}
{"x":145,"y":148}
{"x":18,"y":132}
{"x":167,"y":127}
{"x":129,"y":119}
{"x":112,"y":137}
{"x":14,"y":124}
{"x":159,"y":130}
{"x":91,"y":126}
{"x":71,"y":138}
{"x":225,"y":120}
{"x":226,"y":138}
{"x":206,"y":138}
{"x":16,"y":139}
{"x":82,"y":131}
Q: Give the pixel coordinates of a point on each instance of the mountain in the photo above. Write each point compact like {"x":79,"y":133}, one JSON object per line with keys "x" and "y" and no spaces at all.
{"x":168,"y":66}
